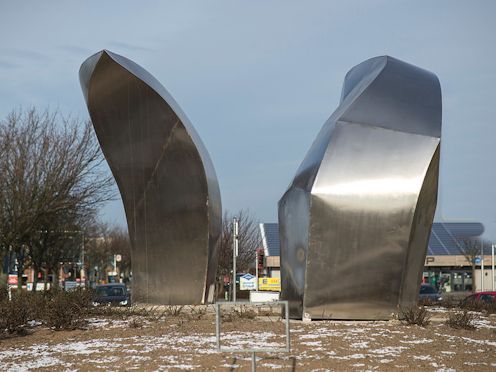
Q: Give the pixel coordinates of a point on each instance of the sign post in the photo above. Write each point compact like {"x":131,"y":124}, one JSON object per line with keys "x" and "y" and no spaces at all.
{"x":235,"y":254}
{"x":482,"y":265}
{"x":256,"y":269}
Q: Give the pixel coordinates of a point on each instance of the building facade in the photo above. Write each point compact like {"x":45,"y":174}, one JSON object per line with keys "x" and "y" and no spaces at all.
{"x":446,"y":266}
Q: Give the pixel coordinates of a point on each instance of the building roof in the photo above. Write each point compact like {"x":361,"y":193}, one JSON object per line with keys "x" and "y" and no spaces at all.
{"x":443,"y":241}
{"x":270,"y":238}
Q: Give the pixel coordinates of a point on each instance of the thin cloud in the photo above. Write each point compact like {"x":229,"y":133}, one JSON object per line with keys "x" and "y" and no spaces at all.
{"x":18,"y":53}
{"x":130,"y":47}
{"x":8,"y":65}
{"x":75,"y":49}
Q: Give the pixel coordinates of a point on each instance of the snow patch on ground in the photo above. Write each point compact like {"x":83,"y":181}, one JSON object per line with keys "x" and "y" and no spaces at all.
{"x":422,"y":357}
{"x":418,"y":341}
{"x":389,"y":350}
{"x":360,"y":345}
{"x":43,"y":361}
{"x":484,"y":323}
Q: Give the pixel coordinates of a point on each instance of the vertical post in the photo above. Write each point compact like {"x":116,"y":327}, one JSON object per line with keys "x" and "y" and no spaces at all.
{"x":235,"y":254}
{"x":253,"y":362}
{"x":482,"y":266}
{"x":217,"y":324}
{"x":83,"y":272}
{"x":256,"y":269}
{"x":492,"y":268}
{"x":288,"y":339}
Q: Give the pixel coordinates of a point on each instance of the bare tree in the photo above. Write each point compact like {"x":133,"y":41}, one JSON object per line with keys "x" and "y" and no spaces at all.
{"x":105,"y":242}
{"x":120,"y":244}
{"x":249,"y":240}
{"x":51,"y":166}
{"x":60,"y":240}
{"x":470,"y":248}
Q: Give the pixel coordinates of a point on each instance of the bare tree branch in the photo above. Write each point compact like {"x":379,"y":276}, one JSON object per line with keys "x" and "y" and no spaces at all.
{"x":51,"y":179}
{"x":249,"y":241}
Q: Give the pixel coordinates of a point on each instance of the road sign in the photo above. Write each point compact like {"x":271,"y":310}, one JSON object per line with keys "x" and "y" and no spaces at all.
{"x":12,"y":280}
{"x":247,"y":282}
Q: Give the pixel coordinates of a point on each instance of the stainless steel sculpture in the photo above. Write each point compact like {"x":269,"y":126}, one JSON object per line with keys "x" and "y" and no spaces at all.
{"x":355,"y":221}
{"x":165,"y":176}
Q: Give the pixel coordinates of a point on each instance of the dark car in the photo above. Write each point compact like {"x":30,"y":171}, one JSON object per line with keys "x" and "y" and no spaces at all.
{"x":112,"y":294}
{"x":487,"y":297}
{"x":429,"y":293}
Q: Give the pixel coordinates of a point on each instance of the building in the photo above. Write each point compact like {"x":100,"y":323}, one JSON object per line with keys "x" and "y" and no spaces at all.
{"x":445,"y":265}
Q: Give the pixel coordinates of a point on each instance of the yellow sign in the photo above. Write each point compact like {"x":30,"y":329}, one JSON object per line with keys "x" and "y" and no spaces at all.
{"x":269,"y":284}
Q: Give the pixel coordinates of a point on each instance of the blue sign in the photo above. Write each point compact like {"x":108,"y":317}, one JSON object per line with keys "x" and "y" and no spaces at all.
{"x":247,"y":282}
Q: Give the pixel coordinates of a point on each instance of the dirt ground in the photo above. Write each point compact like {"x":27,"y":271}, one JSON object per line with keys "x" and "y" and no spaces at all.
{"x":186,"y":342}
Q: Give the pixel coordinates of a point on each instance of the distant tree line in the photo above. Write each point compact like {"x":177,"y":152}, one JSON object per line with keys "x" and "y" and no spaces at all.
{"x":52,"y":185}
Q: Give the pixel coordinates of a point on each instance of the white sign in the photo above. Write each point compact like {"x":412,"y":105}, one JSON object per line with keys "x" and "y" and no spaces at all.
{"x":247,"y":282}
{"x":118,"y":257}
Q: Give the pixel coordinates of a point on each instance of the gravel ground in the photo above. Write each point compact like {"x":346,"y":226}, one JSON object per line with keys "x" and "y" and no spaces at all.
{"x":184,"y":342}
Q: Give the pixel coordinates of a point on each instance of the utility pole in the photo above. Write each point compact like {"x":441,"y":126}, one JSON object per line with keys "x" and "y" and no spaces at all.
{"x":235,"y":254}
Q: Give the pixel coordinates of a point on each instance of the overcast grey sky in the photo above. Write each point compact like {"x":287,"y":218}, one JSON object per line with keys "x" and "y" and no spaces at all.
{"x":259,"y":78}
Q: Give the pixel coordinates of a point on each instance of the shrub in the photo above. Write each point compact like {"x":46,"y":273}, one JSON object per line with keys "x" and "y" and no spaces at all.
{"x":479,"y":306}
{"x":14,"y":314}
{"x":428,"y":302}
{"x":235,"y":314}
{"x":490,"y":307}
{"x":415,"y":315}
{"x":173,"y":310}
{"x":4,"y":292}
{"x":461,"y":320}
{"x":448,"y":302}
{"x":197,"y":312}
{"x":135,"y":323}
{"x":67,"y":310}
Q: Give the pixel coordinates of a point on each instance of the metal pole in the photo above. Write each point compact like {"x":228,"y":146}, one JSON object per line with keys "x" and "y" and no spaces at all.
{"x":253,"y":362}
{"x":288,"y":338}
{"x":217,"y":324}
{"x":492,"y":268}
{"x":235,"y":254}
{"x":256,"y":269}
{"x":83,"y":271}
{"x":482,"y":266}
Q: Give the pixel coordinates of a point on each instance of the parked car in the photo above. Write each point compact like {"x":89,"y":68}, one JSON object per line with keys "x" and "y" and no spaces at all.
{"x":429,"y":293}
{"x":112,"y":294}
{"x":487,"y":297}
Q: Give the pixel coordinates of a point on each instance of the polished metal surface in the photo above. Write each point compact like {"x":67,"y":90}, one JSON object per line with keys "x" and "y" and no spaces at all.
{"x":355,"y":221}
{"x":165,"y":176}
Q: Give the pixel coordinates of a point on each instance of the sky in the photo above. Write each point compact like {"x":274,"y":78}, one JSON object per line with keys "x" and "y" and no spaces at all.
{"x":258,"y":79}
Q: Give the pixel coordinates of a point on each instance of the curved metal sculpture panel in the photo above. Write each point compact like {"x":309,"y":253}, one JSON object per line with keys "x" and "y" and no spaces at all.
{"x":355,"y":221}
{"x":165,"y":176}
